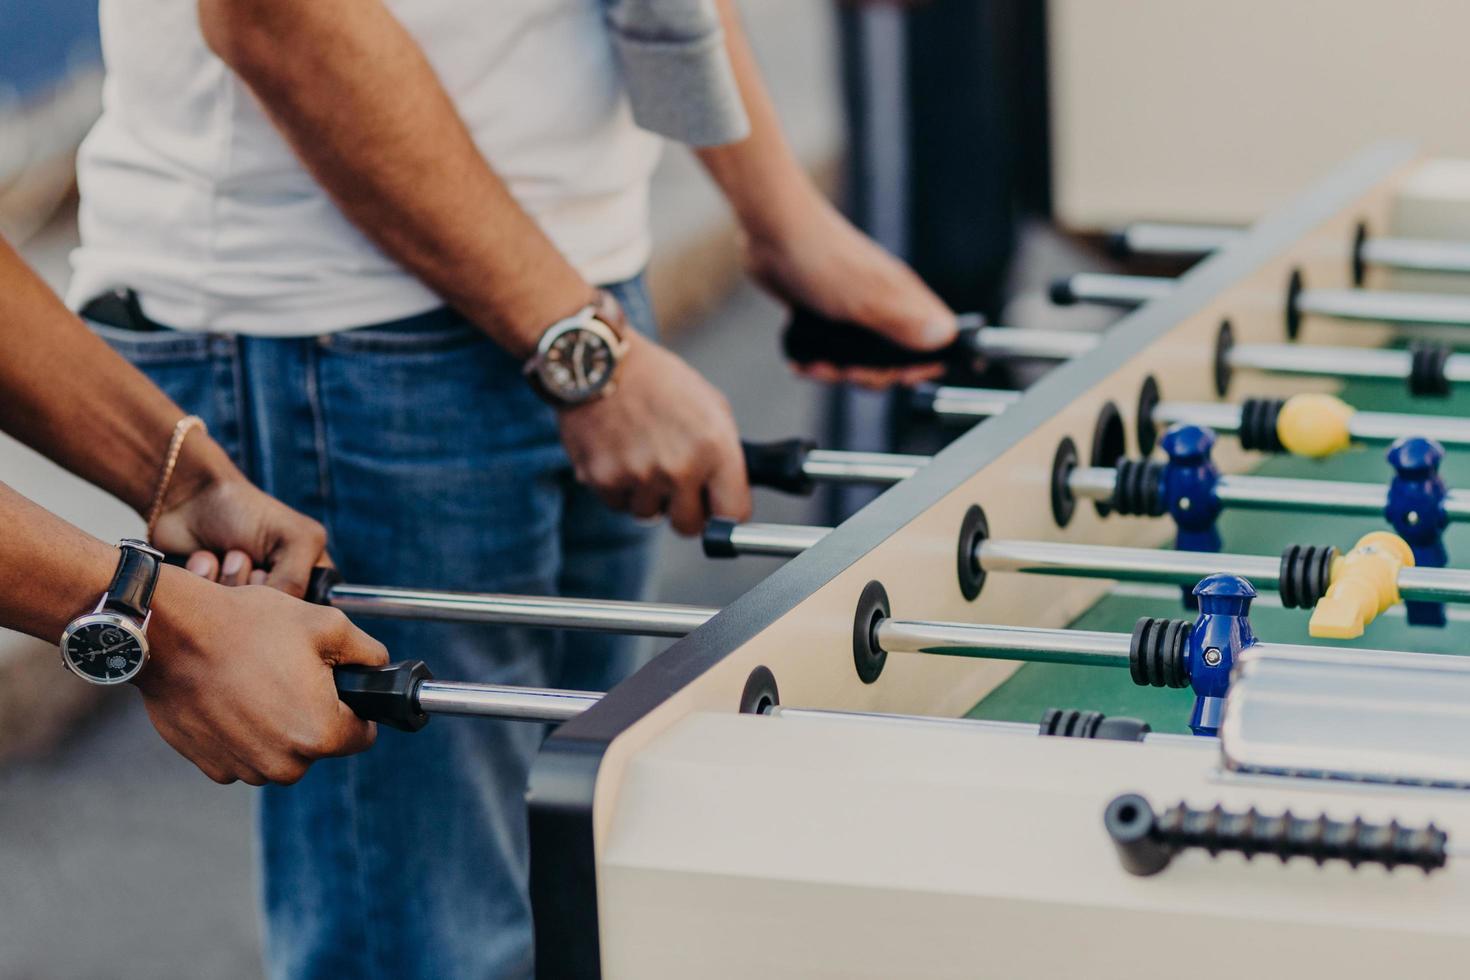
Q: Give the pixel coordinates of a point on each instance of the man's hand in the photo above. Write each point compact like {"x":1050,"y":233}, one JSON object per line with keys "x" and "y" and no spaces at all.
{"x":821,"y":261}
{"x":663,"y":442}
{"x":211,"y":510}
{"x":239,"y":681}
{"x":802,"y":249}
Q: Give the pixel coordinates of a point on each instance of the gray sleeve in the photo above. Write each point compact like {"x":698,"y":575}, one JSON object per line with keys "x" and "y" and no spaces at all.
{"x":677,"y":71}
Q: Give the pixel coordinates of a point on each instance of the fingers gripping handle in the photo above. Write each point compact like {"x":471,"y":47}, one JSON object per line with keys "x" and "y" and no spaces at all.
{"x":388,"y":695}
{"x":812,"y":338}
{"x":318,"y":587}
{"x":779,"y":465}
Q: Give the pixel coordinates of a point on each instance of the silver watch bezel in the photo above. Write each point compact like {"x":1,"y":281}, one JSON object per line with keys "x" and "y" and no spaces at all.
{"x":585,"y":320}
{"x":125,"y":623}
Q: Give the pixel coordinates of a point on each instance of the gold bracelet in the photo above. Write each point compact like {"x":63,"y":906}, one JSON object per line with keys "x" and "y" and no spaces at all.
{"x":185,"y":425}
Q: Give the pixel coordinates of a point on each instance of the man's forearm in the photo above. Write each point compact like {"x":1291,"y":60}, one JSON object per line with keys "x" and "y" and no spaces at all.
{"x":760,"y":176}
{"x":363,"y":109}
{"x":72,"y":398}
{"x":49,"y":570}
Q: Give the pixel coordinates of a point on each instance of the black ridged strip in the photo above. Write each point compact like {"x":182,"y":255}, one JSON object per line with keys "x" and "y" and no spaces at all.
{"x":1137,"y":488}
{"x":1427,"y":370}
{"x":1156,"y":654}
{"x":1070,"y":722}
{"x":1306,"y":572}
{"x":1075,"y":723}
{"x":1258,"y":424}
{"x":1319,"y":838}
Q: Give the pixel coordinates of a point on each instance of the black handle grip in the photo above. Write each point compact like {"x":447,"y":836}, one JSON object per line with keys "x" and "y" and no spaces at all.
{"x":1146,"y":843}
{"x":319,"y":586}
{"x":1075,"y":723}
{"x":778,"y":465}
{"x":811,"y":338}
{"x":718,"y":538}
{"x":388,"y":695}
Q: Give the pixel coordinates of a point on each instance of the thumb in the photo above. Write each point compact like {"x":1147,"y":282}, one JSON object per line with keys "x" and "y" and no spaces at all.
{"x":352,"y":646}
{"x":298,"y":551}
{"x":911,"y":315}
{"x":351,"y":733}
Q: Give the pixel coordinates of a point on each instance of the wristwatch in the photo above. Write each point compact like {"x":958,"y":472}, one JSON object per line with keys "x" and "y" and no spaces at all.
{"x":109,"y":645}
{"x":577,"y":359}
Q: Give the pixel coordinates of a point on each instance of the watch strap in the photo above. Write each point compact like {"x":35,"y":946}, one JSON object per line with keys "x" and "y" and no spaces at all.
{"x":131,"y":590}
{"x":604,"y":308}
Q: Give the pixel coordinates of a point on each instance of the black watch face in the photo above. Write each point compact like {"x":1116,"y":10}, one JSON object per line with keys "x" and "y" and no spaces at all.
{"x":104,"y":652}
{"x":577,"y":364}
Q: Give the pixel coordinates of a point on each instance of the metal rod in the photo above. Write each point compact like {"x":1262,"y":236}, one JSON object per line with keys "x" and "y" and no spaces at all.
{"x":775,"y":540}
{"x":1384,"y":427}
{"x":1148,"y":565}
{"x":926,"y":721}
{"x":1417,"y":254}
{"x":1276,"y":493}
{"x":848,"y":467}
{"x":1187,"y":567}
{"x":552,"y":612}
{"x":964,"y":404}
{"x":1431,"y":309}
{"x":1330,"y":362}
{"x":1185,"y":241}
{"x":967,"y":404}
{"x":1114,"y":290}
{"x":1093,"y":482}
{"x":509,"y":703}
{"x":1021,"y":728}
{"x":1302,"y":496}
{"x":1366,"y":427}
{"x":1434,"y":584}
{"x":1123,"y":564}
{"x":556,"y":706}
{"x":1189,"y":240}
{"x":1032,"y":645}
{"x":1223,"y":417}
{"x":1056,"y":345}
{"x":1377,"y":306}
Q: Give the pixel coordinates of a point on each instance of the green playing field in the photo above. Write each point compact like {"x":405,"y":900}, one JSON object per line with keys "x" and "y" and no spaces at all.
{"x":1036,"y":687}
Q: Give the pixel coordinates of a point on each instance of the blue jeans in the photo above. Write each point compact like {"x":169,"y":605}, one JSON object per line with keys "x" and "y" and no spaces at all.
{"x":432,"y":465}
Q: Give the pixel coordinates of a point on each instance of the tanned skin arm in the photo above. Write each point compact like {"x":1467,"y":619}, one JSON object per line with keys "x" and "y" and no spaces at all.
{"x":358,"y":101}
{"x":801,"y":248}
{"x":361,"y":106}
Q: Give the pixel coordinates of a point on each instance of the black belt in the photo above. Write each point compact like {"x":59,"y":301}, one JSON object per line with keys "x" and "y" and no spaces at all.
{"x":121,"y":309}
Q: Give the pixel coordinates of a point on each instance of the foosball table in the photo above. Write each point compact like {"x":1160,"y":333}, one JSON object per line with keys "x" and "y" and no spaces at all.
{"x":1152,"y":669}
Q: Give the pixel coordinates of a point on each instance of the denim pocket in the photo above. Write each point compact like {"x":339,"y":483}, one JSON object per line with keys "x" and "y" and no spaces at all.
{"x":155,"y":346}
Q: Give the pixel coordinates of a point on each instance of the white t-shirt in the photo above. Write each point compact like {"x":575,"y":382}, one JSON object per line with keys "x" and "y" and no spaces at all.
{"x":191,"y":197}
